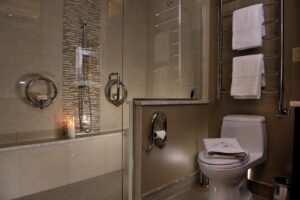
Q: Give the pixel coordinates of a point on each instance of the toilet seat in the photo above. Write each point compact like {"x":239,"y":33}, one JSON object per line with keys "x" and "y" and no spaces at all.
{"x":222,"y":163}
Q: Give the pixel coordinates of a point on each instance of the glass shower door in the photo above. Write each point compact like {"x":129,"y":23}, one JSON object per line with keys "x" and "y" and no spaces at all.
{"x":73,"y":147}
{"x":113,"y":92}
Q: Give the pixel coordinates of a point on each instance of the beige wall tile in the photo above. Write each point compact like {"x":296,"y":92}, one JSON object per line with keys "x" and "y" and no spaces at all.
{"x":43,"y":168}
{"x":114,"y":152}
{"x":39,"y":32}
{"x":7,"y":75}
{"x":7,"y":117}
{"x":8,"y":30}
{"x":87,"y":159}
{"x":53,"y":8}
{"x":48,"y":119}
{"x":29,"y":34}
{"x":110,"y":115}
{"x":9,"y":175}
{"x":19,"y":67}
{"x":28,"y":64}
{"x":52,"y":38}
{"x":7,"y":138}
{"x":53,"y":28}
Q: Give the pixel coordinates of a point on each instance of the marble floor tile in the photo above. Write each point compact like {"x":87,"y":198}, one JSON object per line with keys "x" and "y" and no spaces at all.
{"x":106,"y":187}
{"x":199,"y":193}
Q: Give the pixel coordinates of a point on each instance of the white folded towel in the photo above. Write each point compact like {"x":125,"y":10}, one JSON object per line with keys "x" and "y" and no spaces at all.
{"x":225,"y":148}
{"x":247,"y":76}
{"x":247,"y":27}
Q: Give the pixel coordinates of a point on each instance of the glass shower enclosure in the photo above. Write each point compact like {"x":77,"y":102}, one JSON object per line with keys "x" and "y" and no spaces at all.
{"x":61,"y":137}
{"x":68,"y":70}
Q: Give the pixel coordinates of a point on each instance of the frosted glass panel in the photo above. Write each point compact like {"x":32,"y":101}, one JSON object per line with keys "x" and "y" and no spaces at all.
{"x":175,"y":44}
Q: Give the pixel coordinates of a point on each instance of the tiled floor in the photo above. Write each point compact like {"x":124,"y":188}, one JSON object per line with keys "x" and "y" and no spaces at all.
{"x":106,"y":187}
{"x":199,"y":193}
{"x":195,"y":193}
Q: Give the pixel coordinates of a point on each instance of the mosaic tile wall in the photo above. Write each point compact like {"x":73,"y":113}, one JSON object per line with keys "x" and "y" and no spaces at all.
{"x":75,"y":11}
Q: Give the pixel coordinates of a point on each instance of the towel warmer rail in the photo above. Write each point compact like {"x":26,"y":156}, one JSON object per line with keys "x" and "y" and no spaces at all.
{"x":280,"y":110}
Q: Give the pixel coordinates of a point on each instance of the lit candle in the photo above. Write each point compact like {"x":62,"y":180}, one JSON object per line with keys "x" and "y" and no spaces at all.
{"x":71,"y":128}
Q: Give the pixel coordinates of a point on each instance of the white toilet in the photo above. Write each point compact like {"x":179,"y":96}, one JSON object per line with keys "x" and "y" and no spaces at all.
{"x":228,"y":177}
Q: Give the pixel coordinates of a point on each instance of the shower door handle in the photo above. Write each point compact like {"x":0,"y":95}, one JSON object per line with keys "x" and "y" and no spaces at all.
{"x":120,"y":96}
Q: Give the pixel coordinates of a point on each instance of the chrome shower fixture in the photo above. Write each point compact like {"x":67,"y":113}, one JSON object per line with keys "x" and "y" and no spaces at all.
{"x":83,"y":55}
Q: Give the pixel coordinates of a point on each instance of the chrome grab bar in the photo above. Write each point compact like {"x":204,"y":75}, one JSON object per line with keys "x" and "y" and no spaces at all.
{"x":119,"y":97}
{"x":45,"y":100}
{"x":153,"y":139}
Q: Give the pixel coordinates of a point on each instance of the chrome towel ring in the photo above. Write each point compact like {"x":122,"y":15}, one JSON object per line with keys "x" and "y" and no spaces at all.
{"x":119,"y":97}
{"x":42,"y":100}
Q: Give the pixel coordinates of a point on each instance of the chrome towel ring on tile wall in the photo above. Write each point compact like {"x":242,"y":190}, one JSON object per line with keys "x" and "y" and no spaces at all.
{"x":119,"y":97}
{"x":41,"y":100}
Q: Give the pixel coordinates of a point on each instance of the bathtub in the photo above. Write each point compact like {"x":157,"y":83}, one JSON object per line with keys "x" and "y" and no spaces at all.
{"x":31,"y":168}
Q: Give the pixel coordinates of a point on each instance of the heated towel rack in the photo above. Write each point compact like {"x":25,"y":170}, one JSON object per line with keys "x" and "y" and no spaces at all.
{"x":278,"y":38}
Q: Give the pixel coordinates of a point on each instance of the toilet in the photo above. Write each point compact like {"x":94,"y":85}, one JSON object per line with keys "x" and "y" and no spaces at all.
{"x":228,"y":177}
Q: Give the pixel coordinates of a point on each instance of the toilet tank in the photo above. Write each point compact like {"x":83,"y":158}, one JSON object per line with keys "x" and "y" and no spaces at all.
{"x":249,"y":130}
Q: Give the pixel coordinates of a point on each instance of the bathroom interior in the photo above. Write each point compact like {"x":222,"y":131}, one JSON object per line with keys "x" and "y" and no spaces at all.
{"x":116,"y":99}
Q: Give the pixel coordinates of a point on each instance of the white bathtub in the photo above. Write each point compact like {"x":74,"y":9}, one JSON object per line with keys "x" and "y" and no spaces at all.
{"x":32,"y":168}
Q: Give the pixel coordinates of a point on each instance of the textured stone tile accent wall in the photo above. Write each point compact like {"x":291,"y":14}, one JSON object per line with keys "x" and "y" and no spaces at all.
{"x":75,"y":11}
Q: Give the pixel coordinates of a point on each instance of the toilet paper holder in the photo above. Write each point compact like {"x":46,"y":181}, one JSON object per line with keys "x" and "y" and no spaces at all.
{"x":158,"y":137}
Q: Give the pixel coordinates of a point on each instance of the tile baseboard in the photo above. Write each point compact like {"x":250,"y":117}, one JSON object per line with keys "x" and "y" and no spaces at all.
{"x":261,"y":189}
{"x":172,"y":189}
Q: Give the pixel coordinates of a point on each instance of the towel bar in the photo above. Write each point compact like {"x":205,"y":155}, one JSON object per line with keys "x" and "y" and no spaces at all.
{"x":280,"y":110}
{"x":228,"y":1}
{"x":266,"y":74}
{"x":262,"y":91}
{"x":265,"y":39}
{"x":265,"y":5}
{"x":165,"y":11}
{"x":166,"y":22}
{"x":265,"y":58}
{"x":273,"y":21}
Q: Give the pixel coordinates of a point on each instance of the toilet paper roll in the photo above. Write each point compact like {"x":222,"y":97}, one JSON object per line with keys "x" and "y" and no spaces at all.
{"x":160,"y":134}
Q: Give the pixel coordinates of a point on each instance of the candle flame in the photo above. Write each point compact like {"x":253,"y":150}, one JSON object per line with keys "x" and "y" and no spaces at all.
{"x":71,"y":122}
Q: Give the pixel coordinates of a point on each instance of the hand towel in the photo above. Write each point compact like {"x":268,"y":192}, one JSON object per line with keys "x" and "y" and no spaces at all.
{"x":247,"y":27}
{"x":247,"y":76}
{"x":225,"y":148}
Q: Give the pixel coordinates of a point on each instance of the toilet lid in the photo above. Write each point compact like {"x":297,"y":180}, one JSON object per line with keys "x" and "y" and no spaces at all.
{"x":231,"y":162}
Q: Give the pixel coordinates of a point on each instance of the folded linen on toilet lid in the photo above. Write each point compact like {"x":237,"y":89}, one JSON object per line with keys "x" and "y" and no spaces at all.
{"x":225,"y":148}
